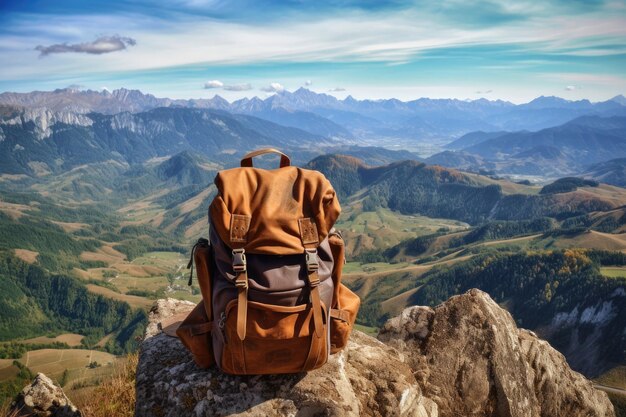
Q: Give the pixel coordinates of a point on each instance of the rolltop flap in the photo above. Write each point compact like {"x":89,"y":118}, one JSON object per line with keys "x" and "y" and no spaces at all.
{"x":274,"y":212}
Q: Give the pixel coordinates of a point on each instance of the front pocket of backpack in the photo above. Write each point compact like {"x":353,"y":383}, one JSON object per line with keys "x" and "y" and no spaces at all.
{"x":278,"y":340}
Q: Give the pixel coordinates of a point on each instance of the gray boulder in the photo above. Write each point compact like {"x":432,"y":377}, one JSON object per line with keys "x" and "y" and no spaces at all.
{"x":471,"y":359}
{"x":367,"y":379}
{"x":43,"y":399}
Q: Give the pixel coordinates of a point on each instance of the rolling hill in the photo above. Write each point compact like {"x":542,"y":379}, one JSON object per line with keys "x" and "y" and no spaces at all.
{"x":412,"y":187}
{"x":610,"y":172}
{"x":557,"y":150}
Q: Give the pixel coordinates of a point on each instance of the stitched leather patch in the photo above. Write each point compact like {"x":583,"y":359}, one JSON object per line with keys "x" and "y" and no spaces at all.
{"x":239,"y":225}
{"x":308,"y":231}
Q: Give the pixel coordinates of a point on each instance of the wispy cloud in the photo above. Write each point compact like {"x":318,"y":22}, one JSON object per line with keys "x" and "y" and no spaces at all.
{"x":336,"y":89}
{"x":456,"y":46}
{"x":102,"y":45}
{"x":308,"y":83}
{"x":273,"y":88}
{"x":483,"y":92}
{"x":570,"y":88}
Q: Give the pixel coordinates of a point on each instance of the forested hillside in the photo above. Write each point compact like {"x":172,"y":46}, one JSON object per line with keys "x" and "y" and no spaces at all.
{"x":34,"y":301}
{"x":412,"y":187}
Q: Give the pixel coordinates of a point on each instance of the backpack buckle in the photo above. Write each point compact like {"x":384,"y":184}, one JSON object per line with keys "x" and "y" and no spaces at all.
{"x":239,"y":260}
{"x":312,"y":263}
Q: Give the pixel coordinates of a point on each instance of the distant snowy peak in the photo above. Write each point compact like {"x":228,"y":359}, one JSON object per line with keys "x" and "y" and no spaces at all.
{"x":122,"y":99}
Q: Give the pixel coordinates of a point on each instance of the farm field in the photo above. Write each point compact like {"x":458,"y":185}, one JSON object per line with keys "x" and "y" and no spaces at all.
{"x":71,"y":339}
{"x":153,"y":273}
{"x":54,"y":362}
{"x":365,"y":231}
{"x":614,"y":272}
{"x":7,"y":369}
{"x":133,"y":300}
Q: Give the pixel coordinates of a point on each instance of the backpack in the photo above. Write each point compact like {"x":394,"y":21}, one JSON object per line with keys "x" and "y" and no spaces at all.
{"x":270,"y":274}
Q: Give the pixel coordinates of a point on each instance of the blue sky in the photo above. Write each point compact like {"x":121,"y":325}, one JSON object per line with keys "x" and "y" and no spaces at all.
{"x":514,"y":50}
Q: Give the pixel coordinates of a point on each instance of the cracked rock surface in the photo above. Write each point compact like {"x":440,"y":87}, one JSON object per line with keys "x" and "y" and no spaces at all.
{"x":470,"y":358}
{"x":465,"y":357}
{"x":367,"y":379}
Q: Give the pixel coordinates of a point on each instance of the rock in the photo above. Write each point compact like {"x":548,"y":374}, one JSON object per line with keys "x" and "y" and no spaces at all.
{"x":470,"y":358}
{"x":367,"y":379}
{"x":43,"y":399}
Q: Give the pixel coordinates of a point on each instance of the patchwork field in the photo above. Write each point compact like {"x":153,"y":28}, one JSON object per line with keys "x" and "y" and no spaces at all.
{"x":365,"y":231}
{"x":614,"y":272}
{"x":71,"y":339}
{"x":133,"y":300}
{"x":155,"y":272}
{"x":54,"y":362}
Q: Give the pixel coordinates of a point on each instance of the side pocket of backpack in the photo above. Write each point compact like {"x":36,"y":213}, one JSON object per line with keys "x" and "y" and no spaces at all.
{"x":345,"y":303}
{"x":342,"y":318}
{"x":195,"y":330}
{"x":195,"y":333}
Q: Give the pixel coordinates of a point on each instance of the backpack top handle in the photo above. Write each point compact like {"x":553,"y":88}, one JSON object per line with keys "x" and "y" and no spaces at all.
{"x":246,"y":161}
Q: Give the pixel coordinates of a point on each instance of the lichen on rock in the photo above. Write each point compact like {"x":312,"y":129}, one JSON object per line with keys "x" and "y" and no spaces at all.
{"x":42,"y":398}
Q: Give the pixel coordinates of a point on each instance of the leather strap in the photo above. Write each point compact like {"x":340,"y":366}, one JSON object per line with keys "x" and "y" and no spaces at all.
{"x":241,"y":282}
{"x":314,"y":282}
{"x":246,"y":161}
{"x":342,"y":315}
{"x":242,"y":304}
{"x":315,"y":349}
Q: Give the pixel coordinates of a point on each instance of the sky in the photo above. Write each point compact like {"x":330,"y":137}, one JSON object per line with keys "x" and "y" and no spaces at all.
{"x":466,"y":49}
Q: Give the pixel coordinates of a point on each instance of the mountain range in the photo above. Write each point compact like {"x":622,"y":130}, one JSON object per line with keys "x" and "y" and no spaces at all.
{"x":421,"y":120}
{"x":556,"y":151}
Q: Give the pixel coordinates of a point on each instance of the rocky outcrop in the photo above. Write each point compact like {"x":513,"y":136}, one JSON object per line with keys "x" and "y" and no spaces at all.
{"x":471,"y":359}
{"x":367,"y":379}
{"x":43,"y":399}
{"x":465,"y":357}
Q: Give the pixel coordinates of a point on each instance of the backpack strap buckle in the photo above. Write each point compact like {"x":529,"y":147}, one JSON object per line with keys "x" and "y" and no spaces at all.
{"x":312,"y":266}
{"x":312,"y":263}
{"x":239,"y":260}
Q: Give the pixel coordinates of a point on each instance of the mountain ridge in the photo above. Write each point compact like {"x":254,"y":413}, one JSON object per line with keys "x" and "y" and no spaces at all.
{"x":422,"y":119}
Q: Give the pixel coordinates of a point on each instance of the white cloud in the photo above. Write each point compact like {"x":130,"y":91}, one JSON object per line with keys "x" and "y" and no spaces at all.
{"x":353,"y":37}
{"x":213,"y":84}
{"x":484,"y":92}
{"x":308,"y":83}
{"x":273,"y":88}
{"x":336,"y":89}
{"x":238,"y":87}
{"x":102,"y":45}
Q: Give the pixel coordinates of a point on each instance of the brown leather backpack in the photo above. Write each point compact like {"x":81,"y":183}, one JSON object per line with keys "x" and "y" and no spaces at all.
{"x":270,"y":274}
